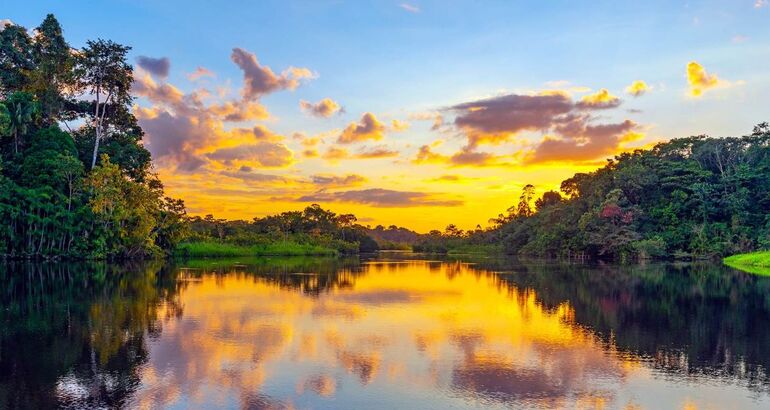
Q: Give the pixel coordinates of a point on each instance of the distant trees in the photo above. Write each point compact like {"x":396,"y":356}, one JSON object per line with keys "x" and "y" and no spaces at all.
{"x":689,"y":197}
{"x":313,"y":225}
{"x":51,"y":204}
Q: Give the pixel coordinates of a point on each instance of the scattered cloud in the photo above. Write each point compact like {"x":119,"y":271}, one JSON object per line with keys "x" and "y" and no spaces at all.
{"x":435,"y":116}
{"x":398,"y":126}
{"x":233,"y":111}
{"x":450,"y":178}
{"x":369,"y":128}
{"x":465,"y":157}
{"x":156,"y":66}
{"x":199,"y":73}
{"x":306,"y":141}
{"x":570,"y":129}
{"x":260,"y":154}
{"x":4,"y":23}
{"x":247,"y":174}
{"x":758,"y":4}
{"x":335,"y":154}
{"x":259,"y":80}
{"x":338,"y":180}
{"x":324,"y":108}
{"x":496,"y":120}
{"x":379,"y":151}
{"x":583,"y":142}
{"x":185,"y":131}
{"x":637,"y":88}
{"x":600,"y":100}
{"x":381,"y":197}
{"x":410,"y":7}
{"x":700,"y":80}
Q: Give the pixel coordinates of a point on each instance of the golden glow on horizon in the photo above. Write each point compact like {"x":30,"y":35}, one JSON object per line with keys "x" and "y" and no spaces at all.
{"x":217,"y":153}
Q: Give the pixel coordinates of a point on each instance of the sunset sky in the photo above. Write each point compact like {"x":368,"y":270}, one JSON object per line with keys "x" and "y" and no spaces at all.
{"x":418,"y":113}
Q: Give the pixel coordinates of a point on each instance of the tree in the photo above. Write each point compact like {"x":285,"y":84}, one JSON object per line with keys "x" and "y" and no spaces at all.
{"x":23,"y":112}
{"x":5,"y":120}
{"x":524,"y":209}
{"x":102,"y":71}
{"x":126,"y":211}
{"x":549,"y":198}
{"x":53,"y":75}
{"x":16,"y":61}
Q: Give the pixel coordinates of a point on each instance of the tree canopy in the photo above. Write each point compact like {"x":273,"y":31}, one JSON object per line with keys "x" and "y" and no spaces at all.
{"x":56,"y":199}
{"x":692,"y":197}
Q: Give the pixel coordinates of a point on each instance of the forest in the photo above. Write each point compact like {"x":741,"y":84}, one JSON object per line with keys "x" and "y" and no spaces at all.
{"x":689,"y":198}
{"x":75,"y":180}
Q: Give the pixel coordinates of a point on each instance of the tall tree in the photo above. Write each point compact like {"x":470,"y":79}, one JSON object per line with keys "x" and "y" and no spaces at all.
{"x":52,"y":77}
{"x":16,"y":61}
{"x":103,"y":73}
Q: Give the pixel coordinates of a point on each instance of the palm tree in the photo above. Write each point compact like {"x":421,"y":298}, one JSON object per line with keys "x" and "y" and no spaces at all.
{"x":22,"y":109}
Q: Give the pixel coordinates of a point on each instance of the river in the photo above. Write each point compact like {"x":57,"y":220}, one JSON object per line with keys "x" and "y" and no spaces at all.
{"x":393,"y":331}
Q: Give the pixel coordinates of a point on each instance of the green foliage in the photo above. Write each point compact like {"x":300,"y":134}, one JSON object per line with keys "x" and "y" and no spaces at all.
{"x":312,"y":228}
{"x":218,"y":249}
{"x":50,"y":204}
{"x":756,"y":262}
{"x":695,"y":197}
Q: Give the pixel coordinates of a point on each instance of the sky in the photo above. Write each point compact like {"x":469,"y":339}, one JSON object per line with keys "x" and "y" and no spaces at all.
{"x":418,"y":113}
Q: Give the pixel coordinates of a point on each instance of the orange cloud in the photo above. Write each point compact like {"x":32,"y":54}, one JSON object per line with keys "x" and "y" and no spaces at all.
{"x":398,"y":125}
{"x":310,"y":153}
{"x":381,"y":197}
{"x":260,"y":154}
{"x":379,"y":151}
{"x":600,"y":100}
{"x":199,"y":73}
{"x":466,"y":157}
{"x":369,"y":128}
{"x":240,"y":111}
{"x":324,"y":108}
{"x":326,"y":180}
{"x":334,"y":154}
{"x":584,"y":143}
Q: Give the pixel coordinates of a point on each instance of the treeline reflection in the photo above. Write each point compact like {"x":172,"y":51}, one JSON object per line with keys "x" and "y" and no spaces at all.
{"x":74,"y":335}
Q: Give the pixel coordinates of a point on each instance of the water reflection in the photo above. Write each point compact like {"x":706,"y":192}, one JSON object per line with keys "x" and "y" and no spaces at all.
{"x":390,"y":333}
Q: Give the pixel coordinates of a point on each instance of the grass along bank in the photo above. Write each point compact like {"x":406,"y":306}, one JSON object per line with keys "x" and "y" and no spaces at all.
{"x":756,"y":262}
{"x":217,"y":249}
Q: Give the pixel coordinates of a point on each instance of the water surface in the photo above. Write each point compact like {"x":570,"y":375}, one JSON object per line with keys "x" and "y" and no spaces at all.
{"x":396,"y":331}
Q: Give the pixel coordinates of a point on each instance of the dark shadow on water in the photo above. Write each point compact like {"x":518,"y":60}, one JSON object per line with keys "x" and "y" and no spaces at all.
{"x":75,"y":335}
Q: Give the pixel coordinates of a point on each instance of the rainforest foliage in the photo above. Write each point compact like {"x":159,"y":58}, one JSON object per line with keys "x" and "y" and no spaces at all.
{"x":689,"y":197}
{"x":313,"y":230}
{"x":75,"y":180}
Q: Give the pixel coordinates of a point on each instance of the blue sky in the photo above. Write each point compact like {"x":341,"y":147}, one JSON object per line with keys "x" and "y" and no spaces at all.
{"x":398,"y":59}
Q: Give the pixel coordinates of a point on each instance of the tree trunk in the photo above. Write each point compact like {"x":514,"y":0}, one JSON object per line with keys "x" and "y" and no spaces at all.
{"x":96,"y":146}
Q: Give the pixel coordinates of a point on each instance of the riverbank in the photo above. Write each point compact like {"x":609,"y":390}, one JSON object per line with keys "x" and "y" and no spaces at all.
{"x":756,"y":262}
{"x":217,"y":249}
